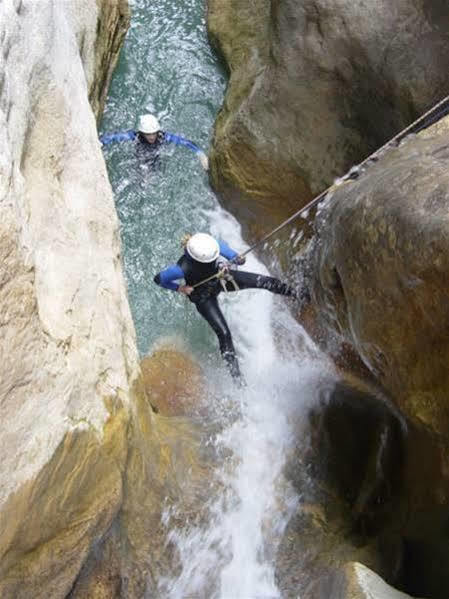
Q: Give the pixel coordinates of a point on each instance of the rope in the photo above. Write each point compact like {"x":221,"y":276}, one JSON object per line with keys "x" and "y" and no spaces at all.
{"x":221,"y":274}
{"x":428,"y":118}
{"x":419,"y":124}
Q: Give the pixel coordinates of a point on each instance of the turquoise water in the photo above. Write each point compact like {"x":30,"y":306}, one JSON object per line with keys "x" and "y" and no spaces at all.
{"x":166,"y":67}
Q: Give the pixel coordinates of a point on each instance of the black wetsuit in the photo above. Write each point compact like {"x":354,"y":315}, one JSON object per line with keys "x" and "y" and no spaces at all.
{"x":148,"y":153}
{"x":205,"y":297}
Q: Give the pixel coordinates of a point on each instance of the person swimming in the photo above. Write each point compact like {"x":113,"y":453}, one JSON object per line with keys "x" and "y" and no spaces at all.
{"x":149,"y":138}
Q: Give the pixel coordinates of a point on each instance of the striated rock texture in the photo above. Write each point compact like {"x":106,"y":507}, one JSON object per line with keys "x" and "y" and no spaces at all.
{"x":378,"y":268}
{"x":86,"y":467}
{"x":100,"y":46}
{"x":315,"y":87}
{"x":67,"y":348}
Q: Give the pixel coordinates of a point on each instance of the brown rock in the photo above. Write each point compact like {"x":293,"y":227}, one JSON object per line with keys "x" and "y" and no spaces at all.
{"x":112,"y":24}
{"x":173,"y":382}
{"x":314,"y":88}
{"x":165,"y":473}
{"x":383,"y":264}
{"x":348,"y":472}
{"x":378,"y":269}
{"x":49,"y":524}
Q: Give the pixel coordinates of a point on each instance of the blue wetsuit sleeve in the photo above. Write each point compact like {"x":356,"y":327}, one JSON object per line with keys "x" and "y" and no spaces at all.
{"x":167,"y":277}
{"x":171,"y":138}
{"x":226,"y":251}
{"x":108,"y":138}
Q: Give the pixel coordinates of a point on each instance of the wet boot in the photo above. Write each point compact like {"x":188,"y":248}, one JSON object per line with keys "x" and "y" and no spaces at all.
{"x":232,"y":363}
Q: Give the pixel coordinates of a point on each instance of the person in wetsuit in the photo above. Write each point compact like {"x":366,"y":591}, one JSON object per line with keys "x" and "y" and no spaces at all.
{"x":149,"y":138}
{"x":201,"y":259}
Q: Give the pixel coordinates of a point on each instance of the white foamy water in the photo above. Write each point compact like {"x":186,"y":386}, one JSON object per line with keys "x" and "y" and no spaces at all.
{"x":232,"y":556}
{"x":167,"y":67}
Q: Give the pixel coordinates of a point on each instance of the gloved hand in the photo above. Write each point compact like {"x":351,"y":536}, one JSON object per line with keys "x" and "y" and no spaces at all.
{"x":240,"y":260}
{"x":223,"y":267}
{"x":204,"y":160}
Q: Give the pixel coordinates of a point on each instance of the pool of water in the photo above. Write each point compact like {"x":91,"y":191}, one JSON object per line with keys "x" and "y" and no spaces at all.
{"x":167,"y":68}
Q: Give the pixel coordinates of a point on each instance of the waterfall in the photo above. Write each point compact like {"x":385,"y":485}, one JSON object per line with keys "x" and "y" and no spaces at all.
{"x":228,"y":549}
{"x":232,"y":554}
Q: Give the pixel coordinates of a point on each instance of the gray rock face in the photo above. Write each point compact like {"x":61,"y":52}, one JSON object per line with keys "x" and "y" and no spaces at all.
{"x":67,"y":346}
{"x":315,"y":87}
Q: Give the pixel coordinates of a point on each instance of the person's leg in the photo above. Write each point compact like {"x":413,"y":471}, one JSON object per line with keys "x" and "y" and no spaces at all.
{"x":210,"y":310}
{"x":251,"y":280}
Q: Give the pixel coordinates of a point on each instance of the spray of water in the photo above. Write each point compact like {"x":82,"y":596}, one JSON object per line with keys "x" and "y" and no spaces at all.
{"x":232,"y":554}
{"x":167,"y":67}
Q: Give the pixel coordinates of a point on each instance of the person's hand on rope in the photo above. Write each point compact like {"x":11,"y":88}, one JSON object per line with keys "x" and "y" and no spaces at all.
{"x":240,"y":260}
{"x":185,"y":289}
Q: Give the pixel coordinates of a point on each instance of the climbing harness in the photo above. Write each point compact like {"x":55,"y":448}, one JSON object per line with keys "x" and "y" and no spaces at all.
{"x":223,"y":275}
{"x":224,"y":280}
{"x":430,"y":117}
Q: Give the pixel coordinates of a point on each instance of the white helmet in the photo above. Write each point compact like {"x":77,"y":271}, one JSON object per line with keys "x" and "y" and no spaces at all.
{"x":203,"y":247}
{"x":148,"y":123}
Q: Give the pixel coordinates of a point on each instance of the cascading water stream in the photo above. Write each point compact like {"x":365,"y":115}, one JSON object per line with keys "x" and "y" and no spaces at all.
{"x":236,"y":548}
{"x":167,"y":67}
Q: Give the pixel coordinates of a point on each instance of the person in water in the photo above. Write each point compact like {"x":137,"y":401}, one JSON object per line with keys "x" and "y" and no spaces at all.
{"x":201,"y":260}
{"x":149,"y":138}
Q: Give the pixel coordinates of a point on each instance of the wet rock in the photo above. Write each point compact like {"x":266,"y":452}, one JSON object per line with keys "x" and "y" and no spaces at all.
{"x":381,"y":264}
{"x":166,"y":481}
{"x":378,"y":267}
{"x":167,"y":484}
{"x":314,"y":88}
{"x":356,"y":581}
{"x":174,"y":382}
{"x":100,"y":577}
{"x":347,"y":469}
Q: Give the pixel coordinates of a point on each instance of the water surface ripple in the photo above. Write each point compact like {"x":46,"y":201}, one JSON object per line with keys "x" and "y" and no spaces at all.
{"x":167,"y":67}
